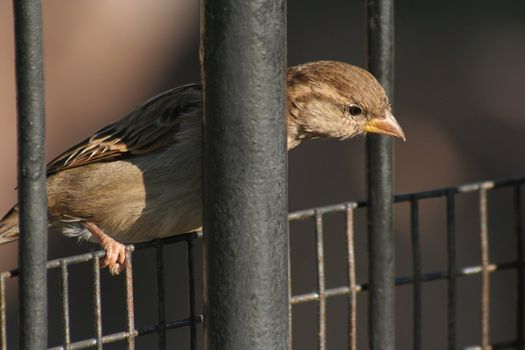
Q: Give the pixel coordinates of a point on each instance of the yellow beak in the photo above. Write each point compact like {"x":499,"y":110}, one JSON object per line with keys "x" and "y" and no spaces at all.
{"x":387,"y":125}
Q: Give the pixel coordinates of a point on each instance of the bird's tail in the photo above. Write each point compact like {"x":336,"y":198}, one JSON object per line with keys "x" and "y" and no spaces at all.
{"x":9,"y":226}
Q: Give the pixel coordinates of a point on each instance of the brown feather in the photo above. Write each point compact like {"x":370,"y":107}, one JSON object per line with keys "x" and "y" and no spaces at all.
{"x":9,"y":226}
{"x":147,"y":129}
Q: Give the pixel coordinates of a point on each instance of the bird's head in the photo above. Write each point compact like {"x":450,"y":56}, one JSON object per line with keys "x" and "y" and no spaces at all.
{"x":338,"y":100}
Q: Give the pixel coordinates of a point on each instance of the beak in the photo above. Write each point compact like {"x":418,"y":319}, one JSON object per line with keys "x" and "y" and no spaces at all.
{"x":387,"y":125}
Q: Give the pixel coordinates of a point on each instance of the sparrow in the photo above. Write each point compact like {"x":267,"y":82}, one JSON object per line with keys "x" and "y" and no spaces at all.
{"x":139,"y":178}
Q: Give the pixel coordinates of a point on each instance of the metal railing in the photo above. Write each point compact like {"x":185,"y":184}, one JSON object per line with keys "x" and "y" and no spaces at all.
{"x":245,"y":46}
{"x":32,"y":197}
{"x":129,"y":332}
{"x":453,"y":272}
{"x":245,"y":188}
{"x":380,"y":179}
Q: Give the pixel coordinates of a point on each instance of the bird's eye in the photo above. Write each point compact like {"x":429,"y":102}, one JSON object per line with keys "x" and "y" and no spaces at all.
{"x":354,"y":110}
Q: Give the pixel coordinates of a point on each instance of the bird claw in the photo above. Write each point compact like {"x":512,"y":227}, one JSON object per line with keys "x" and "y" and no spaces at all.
{"x":115,"y":269}
{"x":115,"y":258}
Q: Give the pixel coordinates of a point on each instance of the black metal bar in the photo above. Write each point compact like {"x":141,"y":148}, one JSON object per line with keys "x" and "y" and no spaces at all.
{"x":64,"y":288}
{"x":451,"y":272}
{"x":380,"y":30}
{"x":352,"y":293}
{"x":187,"y":322}
{"x":441,"y":192}
{"x":520,"y":287}
{"x":245,"y":189}
{"x":32,"y":197}
{"x":192,"y":290}
{"x":485,"y":274}
{"x":81,"y":258}
{"x":97,"y":303}
{"x":402,"y":281}
{"x":171,"y":240}
{"x":416,"y":263}
{"x":161,"y":300}
{"x":321,"y":325}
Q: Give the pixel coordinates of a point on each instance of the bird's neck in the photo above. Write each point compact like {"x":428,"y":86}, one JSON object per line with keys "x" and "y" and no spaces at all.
{"x":295,"y":132}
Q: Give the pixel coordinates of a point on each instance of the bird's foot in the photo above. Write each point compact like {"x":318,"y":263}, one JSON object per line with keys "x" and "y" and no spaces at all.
{"x":115,"y":258}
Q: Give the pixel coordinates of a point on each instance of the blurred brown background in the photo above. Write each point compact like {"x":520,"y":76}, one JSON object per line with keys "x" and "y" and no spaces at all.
{"x":459,"y":97}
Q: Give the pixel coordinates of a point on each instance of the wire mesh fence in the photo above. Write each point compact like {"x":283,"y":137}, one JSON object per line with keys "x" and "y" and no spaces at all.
{"x":417,"y":279}
{"x":129,"y":330}
{"x":133,"y":328}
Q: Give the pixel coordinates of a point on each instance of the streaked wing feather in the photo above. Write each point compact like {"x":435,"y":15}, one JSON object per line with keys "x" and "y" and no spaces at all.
{"x":149,"y":128}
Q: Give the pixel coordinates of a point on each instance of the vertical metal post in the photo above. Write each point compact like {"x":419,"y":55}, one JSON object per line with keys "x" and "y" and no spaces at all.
{"x":192,"y":289}
{"x":32,"y":197}
{"x":97,"y":302}
{"x":451,"y":272}
{"x":161,"y":299}
{"x":380,"y":39}
{"x":245,"y":169}
{"x":130,"y":303}
{"x":520,"y":287}
{"x":416,"y":261}
{"x":485,"y":273}
{"x":3,"y":326}
{"x":321,"y":284}
{"x":64,"y":289}
{"x":352,"y":295}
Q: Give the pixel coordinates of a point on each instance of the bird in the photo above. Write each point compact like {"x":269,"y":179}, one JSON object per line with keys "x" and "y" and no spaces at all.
{"x":139,"y":178}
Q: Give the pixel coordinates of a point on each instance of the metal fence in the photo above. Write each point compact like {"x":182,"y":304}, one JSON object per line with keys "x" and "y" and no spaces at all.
{"x":417,"y":279}
{"x":245,"y":46}
{"x":130,"y":332}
